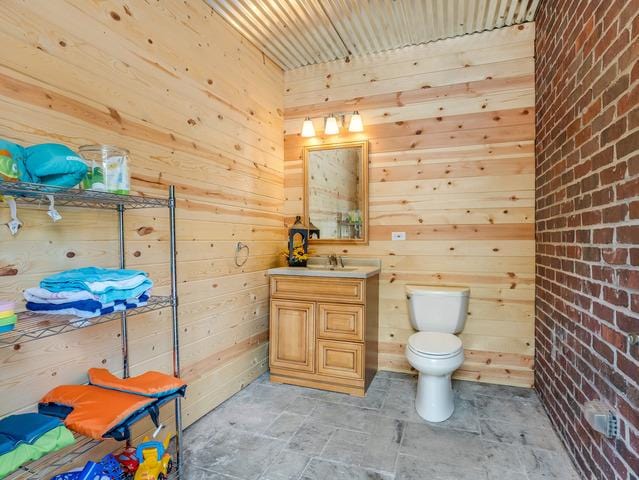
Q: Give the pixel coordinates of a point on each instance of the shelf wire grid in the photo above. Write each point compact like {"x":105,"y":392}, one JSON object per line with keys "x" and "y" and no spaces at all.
{"x":36,"y":325}
{"x":36,"y":194}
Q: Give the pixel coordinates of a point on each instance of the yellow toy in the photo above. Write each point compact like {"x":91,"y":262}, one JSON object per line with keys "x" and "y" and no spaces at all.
{"x":155,"y":462}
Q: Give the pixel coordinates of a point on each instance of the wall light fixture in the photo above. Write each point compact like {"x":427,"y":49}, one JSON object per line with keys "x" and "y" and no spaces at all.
{"x":356,"y":124}
{"x":333,"y":124}
{"x":308,"y":130}
{"x":330,"y":125}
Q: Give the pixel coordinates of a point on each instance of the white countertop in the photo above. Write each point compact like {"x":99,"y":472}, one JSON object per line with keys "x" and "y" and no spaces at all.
{"x":318,"y":267}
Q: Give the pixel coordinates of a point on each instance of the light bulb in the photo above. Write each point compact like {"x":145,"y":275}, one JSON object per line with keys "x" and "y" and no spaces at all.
{"x":356,"y":124}
{"x":308,"y":130}
{"x":330,"y":127}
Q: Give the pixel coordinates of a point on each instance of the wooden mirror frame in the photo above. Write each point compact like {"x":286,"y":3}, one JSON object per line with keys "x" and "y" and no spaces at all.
{"x":363,"y":180}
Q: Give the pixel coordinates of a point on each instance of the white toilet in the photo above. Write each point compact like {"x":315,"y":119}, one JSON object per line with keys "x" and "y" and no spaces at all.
{"x":437,"y":313}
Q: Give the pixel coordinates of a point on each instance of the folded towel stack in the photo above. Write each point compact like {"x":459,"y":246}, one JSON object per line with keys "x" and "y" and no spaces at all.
{"x":29,"y":436}
{"x":7,"y":316}
{"x":90,"y":292}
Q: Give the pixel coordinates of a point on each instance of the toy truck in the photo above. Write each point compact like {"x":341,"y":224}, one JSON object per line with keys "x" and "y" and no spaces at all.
{"x":155,"y":461}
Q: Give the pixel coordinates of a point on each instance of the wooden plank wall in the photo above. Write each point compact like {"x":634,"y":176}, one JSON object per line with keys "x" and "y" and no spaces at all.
{"x":198,"y":107}
{"x":451,"y":132}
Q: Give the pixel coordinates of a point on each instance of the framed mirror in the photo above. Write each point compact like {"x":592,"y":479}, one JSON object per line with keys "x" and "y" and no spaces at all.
{"x":336,"y":192}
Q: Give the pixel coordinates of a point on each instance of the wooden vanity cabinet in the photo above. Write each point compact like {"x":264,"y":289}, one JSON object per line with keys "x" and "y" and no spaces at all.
{"x":323,"y":332}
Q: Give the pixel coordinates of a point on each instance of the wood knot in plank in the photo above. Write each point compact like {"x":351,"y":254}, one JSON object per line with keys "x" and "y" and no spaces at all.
{"x":8,"y":271}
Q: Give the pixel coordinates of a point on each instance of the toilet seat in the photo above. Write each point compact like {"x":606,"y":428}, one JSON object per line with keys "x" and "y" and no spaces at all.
{"x":435,"y":345}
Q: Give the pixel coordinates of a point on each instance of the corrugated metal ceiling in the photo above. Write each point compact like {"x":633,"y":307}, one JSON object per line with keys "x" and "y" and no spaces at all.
{"x":295,"y":33}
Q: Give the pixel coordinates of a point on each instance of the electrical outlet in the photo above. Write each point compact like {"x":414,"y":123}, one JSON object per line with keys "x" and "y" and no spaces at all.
{"x":398,"y":236}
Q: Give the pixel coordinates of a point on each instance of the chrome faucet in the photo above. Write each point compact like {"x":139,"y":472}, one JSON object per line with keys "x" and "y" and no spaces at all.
{"x":333,"y":259}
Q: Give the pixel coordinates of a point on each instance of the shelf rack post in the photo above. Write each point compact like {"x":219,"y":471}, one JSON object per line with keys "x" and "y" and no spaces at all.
{"x":123,"y":319}
{"x":176,"y":338}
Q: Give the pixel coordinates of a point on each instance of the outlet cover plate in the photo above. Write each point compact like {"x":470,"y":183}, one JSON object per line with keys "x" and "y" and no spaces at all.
{"x":398,"y":236}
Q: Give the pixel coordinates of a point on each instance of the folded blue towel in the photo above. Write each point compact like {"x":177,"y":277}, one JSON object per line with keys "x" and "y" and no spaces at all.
{"x":6,"y":444}
{"x":137,"y":302}
{"x":115,"y":295}
{"x":78,"y":278}
{"x":53,"y":164}
{"x":83,"y":314}
{"x":27,"y":427}
{"x":88,"y":308}
{"x":107,"y":284}
{"x":87,"y":305}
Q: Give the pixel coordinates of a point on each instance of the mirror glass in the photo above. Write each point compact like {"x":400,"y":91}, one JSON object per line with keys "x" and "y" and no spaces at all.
{"x":336,"y":192}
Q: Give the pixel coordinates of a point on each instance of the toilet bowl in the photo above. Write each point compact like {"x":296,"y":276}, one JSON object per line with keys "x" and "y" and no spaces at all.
{"x":435,"y":356}
{"x":434,"y":351}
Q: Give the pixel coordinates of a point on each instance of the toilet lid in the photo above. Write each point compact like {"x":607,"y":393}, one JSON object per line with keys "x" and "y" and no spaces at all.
{"x":435,"y":343}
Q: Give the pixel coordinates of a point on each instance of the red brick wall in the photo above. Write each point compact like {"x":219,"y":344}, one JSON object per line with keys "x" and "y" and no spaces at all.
{"x":587,"y":171}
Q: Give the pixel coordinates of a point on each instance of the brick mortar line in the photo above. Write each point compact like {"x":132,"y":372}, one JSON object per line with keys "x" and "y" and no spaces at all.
{"x":615,"y":350}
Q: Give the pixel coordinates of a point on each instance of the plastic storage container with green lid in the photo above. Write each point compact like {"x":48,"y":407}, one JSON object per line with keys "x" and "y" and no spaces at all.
{"x":8,"y":317}
{"x":108,"y":168}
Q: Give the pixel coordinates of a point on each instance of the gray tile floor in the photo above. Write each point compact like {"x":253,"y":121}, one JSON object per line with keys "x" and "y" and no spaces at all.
{"x":283,"y":432}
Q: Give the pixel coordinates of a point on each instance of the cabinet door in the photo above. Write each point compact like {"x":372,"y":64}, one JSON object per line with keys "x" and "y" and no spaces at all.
{"x":340,"y":321}
{"x":292,"y":335}
{"x":340,"y":359}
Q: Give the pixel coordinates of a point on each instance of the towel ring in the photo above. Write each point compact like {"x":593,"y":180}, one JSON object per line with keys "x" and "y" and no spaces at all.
{"x":238,"y":248}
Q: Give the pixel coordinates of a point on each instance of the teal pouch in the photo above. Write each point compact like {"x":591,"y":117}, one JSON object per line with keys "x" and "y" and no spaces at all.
{"x":54,"y":164}
{"x":11,"y":161}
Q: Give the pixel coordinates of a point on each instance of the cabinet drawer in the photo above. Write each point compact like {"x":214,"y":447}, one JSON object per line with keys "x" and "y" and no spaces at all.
{"x":340,"y":359}
{"x":348,"y":290}
{"x":340,"y":321}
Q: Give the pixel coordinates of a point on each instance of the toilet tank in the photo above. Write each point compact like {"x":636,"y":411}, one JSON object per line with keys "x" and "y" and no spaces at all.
{"x":437,"y":308}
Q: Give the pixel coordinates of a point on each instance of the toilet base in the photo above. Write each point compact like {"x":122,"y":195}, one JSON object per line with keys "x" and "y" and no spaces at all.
{"x":435,"y":401}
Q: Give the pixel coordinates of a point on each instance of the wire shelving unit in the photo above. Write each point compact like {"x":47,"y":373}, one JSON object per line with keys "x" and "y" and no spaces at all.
{"x":33,"y":326}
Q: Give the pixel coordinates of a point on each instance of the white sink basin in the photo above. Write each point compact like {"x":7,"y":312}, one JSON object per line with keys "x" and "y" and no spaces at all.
{"x":319,"y":267}
{"x":331,"y":269}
